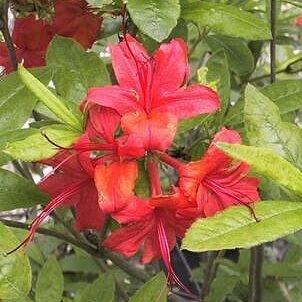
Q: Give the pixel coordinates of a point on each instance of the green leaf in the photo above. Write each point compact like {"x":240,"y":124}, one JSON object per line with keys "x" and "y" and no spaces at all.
{"x":239,"y":56}
{"x":222,"y":285}
{"x":286,"y":94}
{"x":18,"y":192}
{"x":267,"y":163}
{"x":155,"y":18}
{"x":218,"y":71}
{"x":283,"y":270}
{"x":265,"y":128}
{"x":101,"y":289}
{"x":227,"y":20}
{"x":36,"y":147}
{"x":16,"y":101}
{"x":48,"y":98}
{"x":154,"y":290}
{"x":15,"y":271}
{"x":75,"y":71}
{"x":50,"y":282}
{"x":236,"y":228}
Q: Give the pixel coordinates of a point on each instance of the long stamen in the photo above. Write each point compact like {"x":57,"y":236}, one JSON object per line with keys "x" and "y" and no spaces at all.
{"x":165,"y":252}
{"x":212,"y":184}
{"x":82,"y":146}
{"x":54,"y":204}
{"x":169,"y":160}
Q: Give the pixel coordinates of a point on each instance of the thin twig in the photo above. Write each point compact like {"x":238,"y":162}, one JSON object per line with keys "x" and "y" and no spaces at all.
{"x":274,"y":40}
{"x":6,"y":35}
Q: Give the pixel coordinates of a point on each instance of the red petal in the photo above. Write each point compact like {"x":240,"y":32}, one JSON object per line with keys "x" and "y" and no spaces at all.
{"x":156,"y":130}
{"x":73,"y":19}
{"x":102,"y":123}
{"x":115,"y":184}
{"x":129,"y":59}
{"x":4,"y":58}
{"x":189,"y":102}
{"x":120,"y":99}
{"x":88,"y":212}
{"x":171,"y":69}
{"x":31,"y":34}
{"x":128,"y":239}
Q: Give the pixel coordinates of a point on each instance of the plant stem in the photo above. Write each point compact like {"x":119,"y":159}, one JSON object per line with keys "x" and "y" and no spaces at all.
{"x":274,"y":40}
{"x":6,"y":34}
{"x":116,"y":259}
{"x":210,"y":272}
{"x":255,"y":274}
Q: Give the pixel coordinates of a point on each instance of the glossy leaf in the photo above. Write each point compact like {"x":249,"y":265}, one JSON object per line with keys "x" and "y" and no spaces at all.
{"x":18,"y":192}
{"x":267,"y":163}
{"x":36,"y":147}
{"x":15,"y":271}
{"x":102,"y":289}
{"x":16,"y":101}
{"x":265,"y":128}
{"x":218,"y":73}
{"x":222,"y":285}
{"x":75,"y":71}
{"x":50,"y":283}
{"x":44,"y":95}
{"x":154,"y":290}
{"x":286,"y":94}
{"x":236,"y":228}
{"x":239,"y":56}
{"x":227,"y":20}
{"x":155,"y":18}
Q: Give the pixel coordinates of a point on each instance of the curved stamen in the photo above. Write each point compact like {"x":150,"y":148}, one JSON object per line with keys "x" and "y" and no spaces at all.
{"x":214,"y":186}
{"x":51,"y":206}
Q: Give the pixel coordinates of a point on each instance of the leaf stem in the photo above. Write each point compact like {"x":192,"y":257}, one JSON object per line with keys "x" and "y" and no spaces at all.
{"x":274,"y":40}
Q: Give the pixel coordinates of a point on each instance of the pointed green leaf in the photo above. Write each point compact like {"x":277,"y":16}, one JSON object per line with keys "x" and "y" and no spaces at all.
{"x":267,"y":163}
{"x":239,"y":56}
{"x":236,"y":228}
{"x":36,"y":147}
{"x":50,"y":283}
{"x":75,"y":70}
{"x":155,"y":18}
{"x":287,"y":95}
{"x":16,"y":101}
{"x":102,"y":289}
{"x":18,"y":192}
{"x":48,"y":98}
{"x":264,"y":127}
{"x":218,"y":72}
{"x":154,"y":290}
{"x":227,"y":20}
{"x":15,"y":271}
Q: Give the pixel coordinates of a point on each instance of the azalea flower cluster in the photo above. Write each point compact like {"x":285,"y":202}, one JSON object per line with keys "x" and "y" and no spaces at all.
{"x":137,"y":119}
{"x":31,"y":36}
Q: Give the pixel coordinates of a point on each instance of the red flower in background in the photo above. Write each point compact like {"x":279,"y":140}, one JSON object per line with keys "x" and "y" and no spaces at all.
{"x":72,"y":18}
{"x":217,"y":181}
{"x":150,"y":97}
{"x":299,"y":21}
{"x":31,"y":38}
{"x":75,"y":19}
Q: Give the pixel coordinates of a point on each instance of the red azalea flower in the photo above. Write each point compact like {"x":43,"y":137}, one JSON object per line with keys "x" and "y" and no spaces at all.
{"x":71,"y":184}
{"x":299,"y":21}
{"x":149,"y":96}
{"x":31,"y":37}
{"x":75,"y":19}
{"x":217,"y":181}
